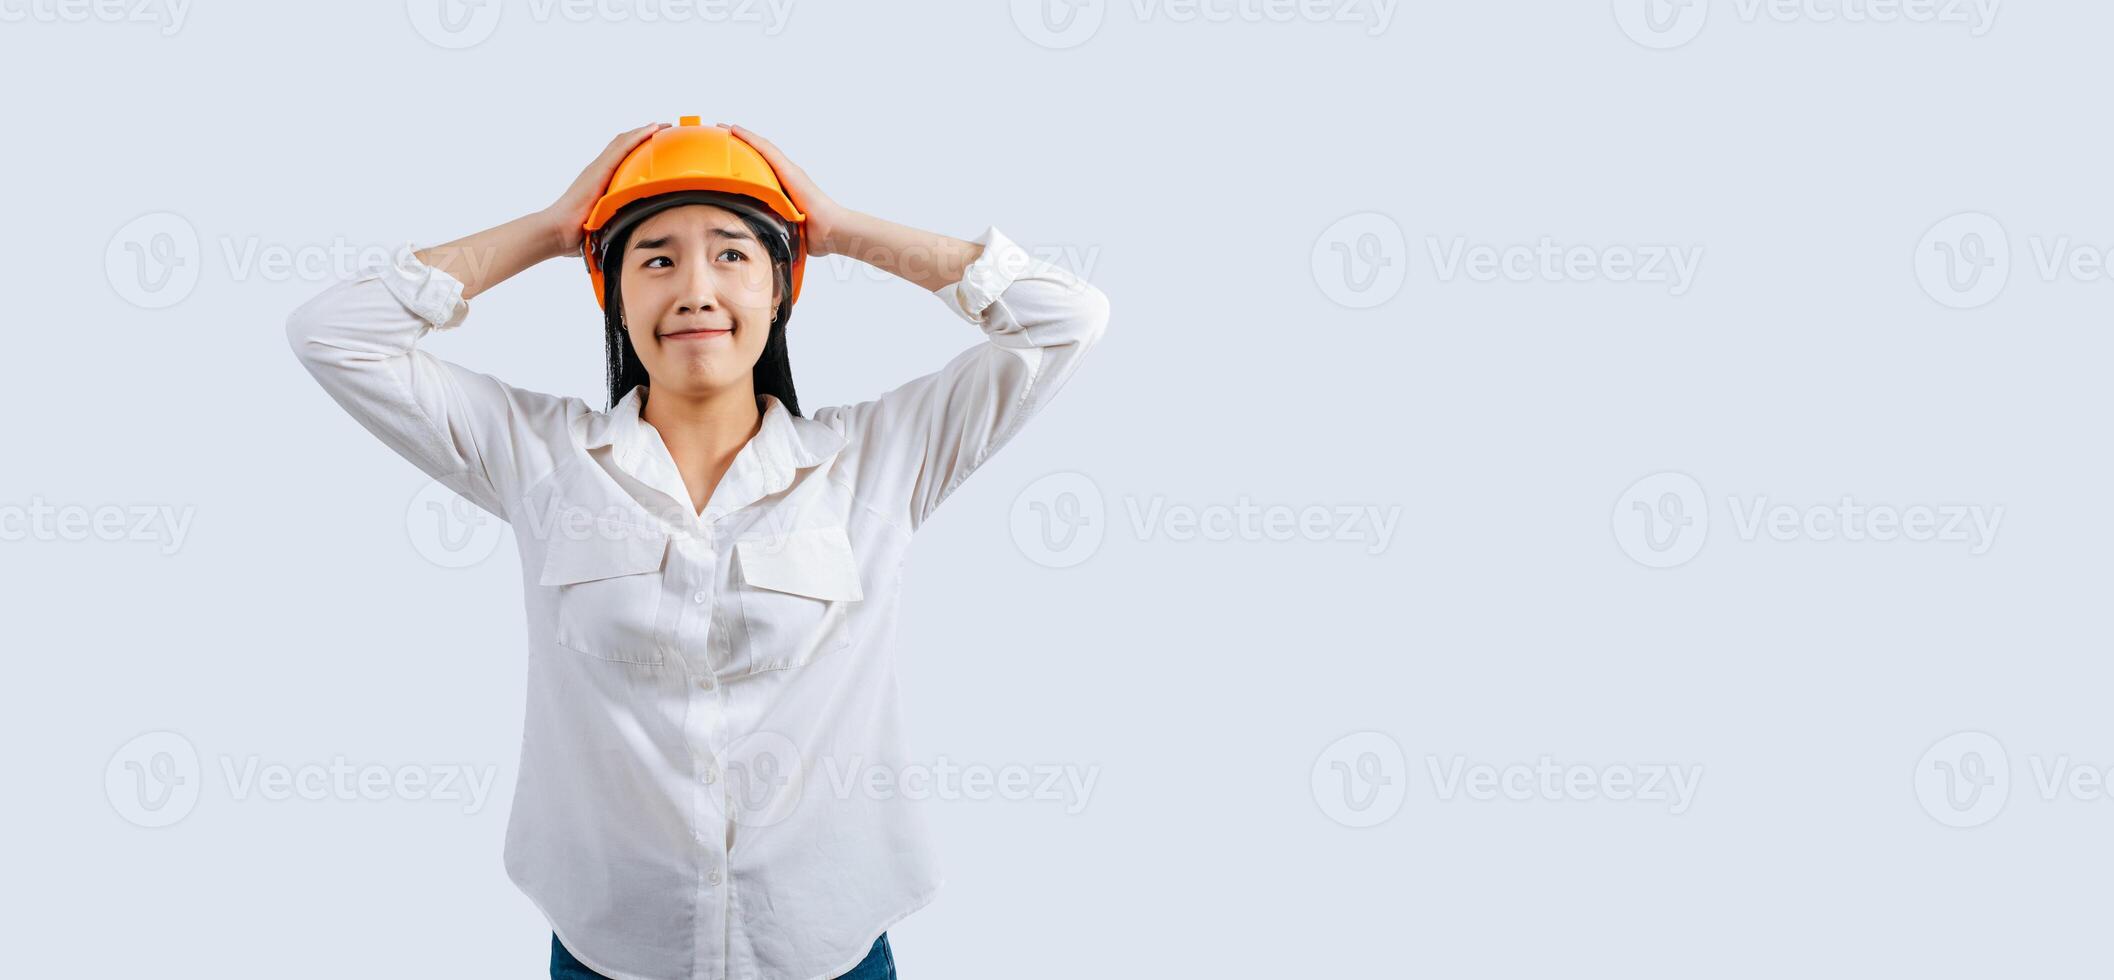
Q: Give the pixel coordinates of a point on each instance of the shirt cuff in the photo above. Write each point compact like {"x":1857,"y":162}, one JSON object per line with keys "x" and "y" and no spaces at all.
{"x":431,"y":293}
{"x":986,"y":278}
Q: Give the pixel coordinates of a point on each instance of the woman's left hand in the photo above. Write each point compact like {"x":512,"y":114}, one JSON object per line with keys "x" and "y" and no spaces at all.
{"x":824,"y":215}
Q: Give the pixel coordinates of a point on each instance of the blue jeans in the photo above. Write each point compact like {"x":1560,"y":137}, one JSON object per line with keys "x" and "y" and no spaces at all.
{"x":879,"y":964}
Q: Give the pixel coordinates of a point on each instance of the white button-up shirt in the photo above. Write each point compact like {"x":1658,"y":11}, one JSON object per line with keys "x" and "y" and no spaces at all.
{"x":695,"y":679}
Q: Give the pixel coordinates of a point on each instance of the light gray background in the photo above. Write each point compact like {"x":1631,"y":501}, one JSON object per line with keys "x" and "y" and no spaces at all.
{"x":1192,"y":169}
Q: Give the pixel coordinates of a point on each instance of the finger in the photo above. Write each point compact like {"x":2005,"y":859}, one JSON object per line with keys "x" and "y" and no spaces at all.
{"x":632,"y":137}
{"x":764,"y":146}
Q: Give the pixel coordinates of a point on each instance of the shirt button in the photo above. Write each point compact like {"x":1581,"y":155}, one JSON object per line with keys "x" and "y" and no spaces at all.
{"x":711,"y":774}
{"x":704,"y":683}
{"x":713,"y":877}
{"x":700,"y":597}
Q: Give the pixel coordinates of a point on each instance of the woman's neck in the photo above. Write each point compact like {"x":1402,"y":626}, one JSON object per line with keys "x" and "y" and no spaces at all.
{"x":703,"y":432}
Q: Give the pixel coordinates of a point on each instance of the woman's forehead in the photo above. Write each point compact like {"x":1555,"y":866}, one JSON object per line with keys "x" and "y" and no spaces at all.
{"x":691,"y":218}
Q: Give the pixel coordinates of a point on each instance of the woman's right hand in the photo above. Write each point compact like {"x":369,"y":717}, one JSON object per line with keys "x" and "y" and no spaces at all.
{"x":569,"y":212}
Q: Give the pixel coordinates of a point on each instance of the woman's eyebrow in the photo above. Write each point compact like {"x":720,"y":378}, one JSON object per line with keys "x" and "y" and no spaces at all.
{"x":662,"y":241}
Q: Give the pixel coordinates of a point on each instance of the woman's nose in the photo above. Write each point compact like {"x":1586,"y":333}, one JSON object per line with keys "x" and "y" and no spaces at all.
{"x":697,"y":297}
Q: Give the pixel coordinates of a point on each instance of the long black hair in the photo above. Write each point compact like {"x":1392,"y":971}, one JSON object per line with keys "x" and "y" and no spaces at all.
{"x":774,"y":370}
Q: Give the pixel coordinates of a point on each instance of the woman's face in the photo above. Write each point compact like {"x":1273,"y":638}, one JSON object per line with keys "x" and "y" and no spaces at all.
{"x":698,"y":297}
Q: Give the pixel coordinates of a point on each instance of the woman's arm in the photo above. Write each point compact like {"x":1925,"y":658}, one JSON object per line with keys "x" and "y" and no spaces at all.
{"x":920,"y":441}
{"x":470,"y":431}
{"x":930,"y":259}
{"x":494,"y":255}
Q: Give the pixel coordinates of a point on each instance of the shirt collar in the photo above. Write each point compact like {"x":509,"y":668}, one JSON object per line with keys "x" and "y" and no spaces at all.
{"x":765,"y":465}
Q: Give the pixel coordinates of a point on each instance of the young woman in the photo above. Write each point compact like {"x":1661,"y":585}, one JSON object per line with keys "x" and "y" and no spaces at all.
{"x":711,"y":576}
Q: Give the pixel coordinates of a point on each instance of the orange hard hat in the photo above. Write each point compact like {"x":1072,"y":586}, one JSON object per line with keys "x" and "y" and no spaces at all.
{"x":691,"y":157}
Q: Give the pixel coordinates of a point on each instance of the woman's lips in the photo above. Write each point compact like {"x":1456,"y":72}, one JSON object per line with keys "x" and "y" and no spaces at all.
{"x":697,"y":334}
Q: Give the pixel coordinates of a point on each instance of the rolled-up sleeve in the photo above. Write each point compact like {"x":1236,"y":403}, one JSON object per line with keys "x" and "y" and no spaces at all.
{"x":920,"y":441}
{"x":359,"y":339}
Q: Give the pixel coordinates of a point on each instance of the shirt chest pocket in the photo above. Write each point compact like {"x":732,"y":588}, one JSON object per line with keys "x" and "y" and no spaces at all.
{"x":796,"y":593}
{"x":609,"y":581}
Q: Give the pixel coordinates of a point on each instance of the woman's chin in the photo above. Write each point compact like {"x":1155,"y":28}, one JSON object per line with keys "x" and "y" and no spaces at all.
{"x":696,"y":374}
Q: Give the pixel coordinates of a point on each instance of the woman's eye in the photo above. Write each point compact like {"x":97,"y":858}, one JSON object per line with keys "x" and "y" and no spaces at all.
{"x":733,"y":252}
{"x":658,"y":258}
